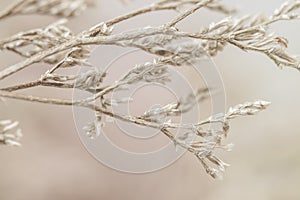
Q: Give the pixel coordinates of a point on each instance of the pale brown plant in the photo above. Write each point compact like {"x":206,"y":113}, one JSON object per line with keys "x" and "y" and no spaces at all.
{"x":61,"y":48}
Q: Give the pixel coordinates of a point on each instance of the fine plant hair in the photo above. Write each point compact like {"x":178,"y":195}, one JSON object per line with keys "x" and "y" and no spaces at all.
{"x":60,"y":48}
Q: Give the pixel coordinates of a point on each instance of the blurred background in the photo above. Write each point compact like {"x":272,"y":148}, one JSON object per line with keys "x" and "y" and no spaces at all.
{"x":265,"y":162}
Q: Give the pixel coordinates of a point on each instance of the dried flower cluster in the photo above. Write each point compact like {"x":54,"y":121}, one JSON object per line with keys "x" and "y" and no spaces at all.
{"x":204,"y":138}
{"x":61,"y":8}
{"x":60,"y":47}
{"x":10,"y":133}
{"x":250,"y":33}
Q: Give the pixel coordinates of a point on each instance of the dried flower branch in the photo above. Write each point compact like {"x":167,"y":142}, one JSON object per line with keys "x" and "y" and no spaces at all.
{"x":184,"y":105}
{"x":203,"y":142}
{"x":61,"y":48}
{"x":32,"y":42}
{"x":250,"y":33}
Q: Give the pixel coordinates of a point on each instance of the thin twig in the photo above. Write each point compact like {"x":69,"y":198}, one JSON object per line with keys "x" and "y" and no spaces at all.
{"x":189,"y":12}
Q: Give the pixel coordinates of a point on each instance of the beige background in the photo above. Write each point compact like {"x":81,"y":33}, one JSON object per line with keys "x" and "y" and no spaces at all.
{"x":265,"y":163}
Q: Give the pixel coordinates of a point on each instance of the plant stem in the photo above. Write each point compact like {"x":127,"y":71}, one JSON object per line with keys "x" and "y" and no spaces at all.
{"x":188,"y":12}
